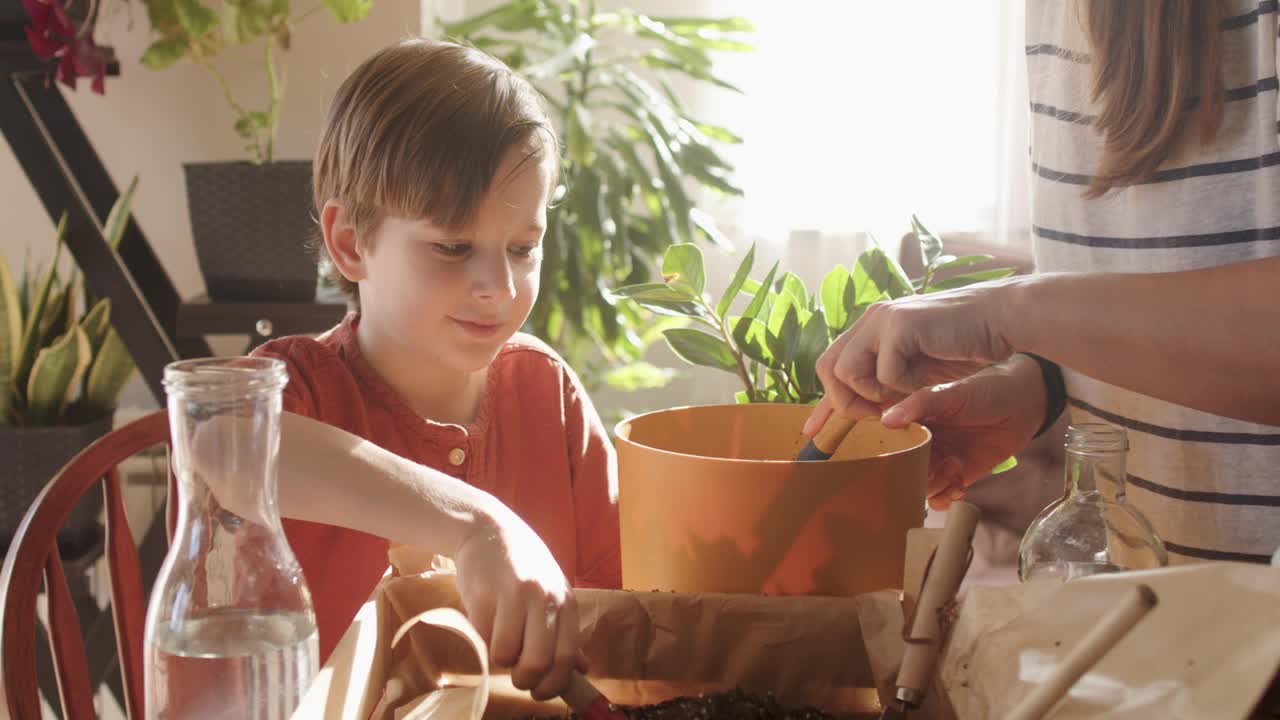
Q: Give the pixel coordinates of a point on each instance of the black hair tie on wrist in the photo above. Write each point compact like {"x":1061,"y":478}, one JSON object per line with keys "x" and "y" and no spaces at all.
{"x":1055,"y":391}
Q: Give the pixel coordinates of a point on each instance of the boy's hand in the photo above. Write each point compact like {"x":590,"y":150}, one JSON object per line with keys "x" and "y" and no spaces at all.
{"x":519,"y":600}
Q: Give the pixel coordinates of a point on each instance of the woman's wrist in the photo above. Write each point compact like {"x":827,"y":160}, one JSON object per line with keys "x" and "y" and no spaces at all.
{"x":1018,"y":318}
{"x":1024,"y":327}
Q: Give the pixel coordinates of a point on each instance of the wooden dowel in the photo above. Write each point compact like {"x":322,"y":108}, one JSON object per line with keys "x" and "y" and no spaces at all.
{"x":1096,"y":643}
{"x":946,"y":570}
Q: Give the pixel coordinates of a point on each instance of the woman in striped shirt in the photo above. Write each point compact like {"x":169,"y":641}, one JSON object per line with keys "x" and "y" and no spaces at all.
{"x":1156,"y":307}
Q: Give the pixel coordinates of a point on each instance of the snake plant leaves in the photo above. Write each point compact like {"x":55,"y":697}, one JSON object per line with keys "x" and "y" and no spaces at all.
{"x":55,"y":377}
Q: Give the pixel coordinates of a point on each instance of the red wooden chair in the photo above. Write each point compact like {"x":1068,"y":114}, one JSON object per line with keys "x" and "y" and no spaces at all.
{"x":33,"y":555}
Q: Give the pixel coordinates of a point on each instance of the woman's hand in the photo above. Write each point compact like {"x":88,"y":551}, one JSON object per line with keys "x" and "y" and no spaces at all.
{"x":976,"y":423}
{"x":520,"y":602}
{"x":904,"y":345}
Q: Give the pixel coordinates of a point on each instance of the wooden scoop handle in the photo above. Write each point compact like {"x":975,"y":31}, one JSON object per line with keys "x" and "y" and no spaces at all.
{"x":1114,"y":625}
{"x":823,"y":445}
{"x":589,"y":704}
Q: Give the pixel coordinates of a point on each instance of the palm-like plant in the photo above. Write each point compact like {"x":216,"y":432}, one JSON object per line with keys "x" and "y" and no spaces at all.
{"x":634,"y":159}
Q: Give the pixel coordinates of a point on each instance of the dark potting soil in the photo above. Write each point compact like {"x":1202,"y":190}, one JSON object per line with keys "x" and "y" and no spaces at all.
{"x":731,"y":705}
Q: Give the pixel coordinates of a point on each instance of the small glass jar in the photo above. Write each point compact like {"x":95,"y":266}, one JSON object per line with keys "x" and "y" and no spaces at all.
{"x":1092,"y":529}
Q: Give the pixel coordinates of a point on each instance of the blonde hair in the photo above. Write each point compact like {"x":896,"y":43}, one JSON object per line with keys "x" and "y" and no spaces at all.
{"x":1154,"y":63}
{"x":418,"y":130}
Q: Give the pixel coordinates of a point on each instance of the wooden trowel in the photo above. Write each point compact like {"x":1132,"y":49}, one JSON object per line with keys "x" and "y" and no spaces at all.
{"x":587,"y":702}
{"x":827,"y":440}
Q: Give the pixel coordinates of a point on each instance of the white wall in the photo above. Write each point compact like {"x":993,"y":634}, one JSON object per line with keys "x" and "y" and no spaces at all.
{"x":150,"y":122}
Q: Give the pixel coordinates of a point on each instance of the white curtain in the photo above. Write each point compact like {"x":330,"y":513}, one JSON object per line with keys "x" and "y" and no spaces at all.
{"x":856,"y":114}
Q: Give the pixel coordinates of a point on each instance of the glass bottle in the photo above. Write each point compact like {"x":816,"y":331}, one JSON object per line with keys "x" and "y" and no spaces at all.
{"x":1092,"y":529}
{"x":230,"y":629}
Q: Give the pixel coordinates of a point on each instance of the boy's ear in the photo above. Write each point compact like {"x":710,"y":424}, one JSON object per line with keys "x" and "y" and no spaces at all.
{"x":342,"y":241}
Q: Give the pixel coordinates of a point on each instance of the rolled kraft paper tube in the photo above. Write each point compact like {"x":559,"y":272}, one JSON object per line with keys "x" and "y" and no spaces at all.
{"x":939,"y":587}
{"x":711,"y":499}
{"x":1113,"y":627}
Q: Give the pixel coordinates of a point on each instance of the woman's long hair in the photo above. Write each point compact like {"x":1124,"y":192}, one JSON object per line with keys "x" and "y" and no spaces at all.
{"x":1157,"y":67}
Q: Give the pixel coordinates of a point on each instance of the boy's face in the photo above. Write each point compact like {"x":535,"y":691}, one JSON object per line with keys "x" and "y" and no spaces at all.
{"x":453,"y":299}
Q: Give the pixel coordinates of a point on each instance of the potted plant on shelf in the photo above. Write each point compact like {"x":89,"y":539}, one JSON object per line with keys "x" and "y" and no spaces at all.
{"x":709,"y":497}
{"x":634,"y":158}
{"x":250,"y":219}
{"x":62,"y":367}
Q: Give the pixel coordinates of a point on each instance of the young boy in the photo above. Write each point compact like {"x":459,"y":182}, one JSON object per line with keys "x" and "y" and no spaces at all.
{"x":432,"y":180}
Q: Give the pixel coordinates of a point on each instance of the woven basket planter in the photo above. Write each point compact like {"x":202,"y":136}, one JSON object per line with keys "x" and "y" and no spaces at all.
{"x":251,"y":224}
{"x":33,"y":455}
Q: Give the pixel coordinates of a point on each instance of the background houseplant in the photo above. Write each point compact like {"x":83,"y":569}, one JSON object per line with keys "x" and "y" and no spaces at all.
{"x":633,"y":159}
{"x":250,"y":219}
{"x":198,"y":31}
{"x":62,"y":367}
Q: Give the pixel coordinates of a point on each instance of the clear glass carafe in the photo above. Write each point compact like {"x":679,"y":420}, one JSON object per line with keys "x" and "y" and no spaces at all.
{"x":231,"y":632}
{"x":1092,"y":529}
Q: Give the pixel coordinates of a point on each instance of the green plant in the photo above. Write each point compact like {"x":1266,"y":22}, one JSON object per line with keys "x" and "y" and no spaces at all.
{"x":774,"y":344}
{"x":58,"y":366}
{"x":632,"y":156}
{"x":198,"y":31}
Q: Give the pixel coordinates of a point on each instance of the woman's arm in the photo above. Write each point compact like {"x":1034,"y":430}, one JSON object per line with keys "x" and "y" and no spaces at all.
{"x":1207,"y":339}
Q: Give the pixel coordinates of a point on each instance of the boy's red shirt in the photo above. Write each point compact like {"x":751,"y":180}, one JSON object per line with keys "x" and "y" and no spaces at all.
{"x":536,"y":444}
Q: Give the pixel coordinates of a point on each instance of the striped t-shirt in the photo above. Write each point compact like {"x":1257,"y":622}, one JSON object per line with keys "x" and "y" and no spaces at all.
{"x":1210,"y":484}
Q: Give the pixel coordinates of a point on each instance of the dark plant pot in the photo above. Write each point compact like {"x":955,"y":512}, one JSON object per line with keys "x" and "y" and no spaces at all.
{"x":251,"y":224}
{"x":33,"y":455}
{"x":12,"y":19}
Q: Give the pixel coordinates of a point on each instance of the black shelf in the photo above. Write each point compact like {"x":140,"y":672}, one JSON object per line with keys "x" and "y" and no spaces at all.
{"x":261,"y":321}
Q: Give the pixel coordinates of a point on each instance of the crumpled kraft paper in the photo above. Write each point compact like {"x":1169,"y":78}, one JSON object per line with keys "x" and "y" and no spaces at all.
{"x":411,"y":655}
{"x":1209,"y":649}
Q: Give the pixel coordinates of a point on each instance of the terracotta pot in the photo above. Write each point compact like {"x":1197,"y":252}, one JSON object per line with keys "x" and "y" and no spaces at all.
{"x":711,"y":501}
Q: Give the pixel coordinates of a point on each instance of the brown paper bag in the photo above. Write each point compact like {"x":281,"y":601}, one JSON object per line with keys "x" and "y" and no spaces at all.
{"x":391,"y":663}
{"x":407,"y":655}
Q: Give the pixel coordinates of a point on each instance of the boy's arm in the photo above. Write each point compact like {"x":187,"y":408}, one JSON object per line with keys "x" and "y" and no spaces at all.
{"x":330,"y":476}
{"x":595,"y":490}
{"x":511,"y":586}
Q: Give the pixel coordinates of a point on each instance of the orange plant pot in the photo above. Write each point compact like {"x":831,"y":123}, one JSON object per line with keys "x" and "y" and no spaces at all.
{"x":711,"y":501}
